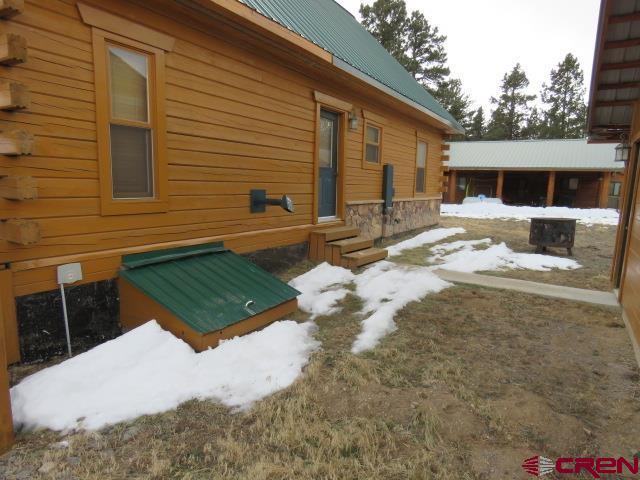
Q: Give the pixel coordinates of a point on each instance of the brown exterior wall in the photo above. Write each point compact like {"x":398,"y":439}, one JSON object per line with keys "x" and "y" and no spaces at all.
{"x":236,"y":119}
{"x":627,"y":255}
{"x":588,"y":193}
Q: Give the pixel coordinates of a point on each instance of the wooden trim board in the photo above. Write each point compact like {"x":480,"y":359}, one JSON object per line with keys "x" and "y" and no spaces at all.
{"x":6,"y":419}
{"x":330,"y":101}
{"x":343,"y":114}
{"x":160,"y":201}
{"x":8,"y":319}
{"x":121,"y":26}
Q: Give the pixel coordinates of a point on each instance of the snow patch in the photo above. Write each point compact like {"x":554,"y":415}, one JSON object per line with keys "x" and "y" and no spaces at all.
{"x":148,"y":371}
{"x":386,"y":288}
{"x":468,"y":245}
{"x":586,"y":216}
{"x":430,"y":236}
{"x":321,"y":289}
{"x":465,"y":258}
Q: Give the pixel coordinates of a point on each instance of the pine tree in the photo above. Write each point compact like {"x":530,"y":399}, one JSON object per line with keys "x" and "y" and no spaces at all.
{"x":387,"y":21}
{"x":476,"y":130}
{"x":534,"y":127}
{"x":566,"y":112}
{"x":512,"y":107}
{"x":425,"y":53}
{"x":412,"y":40}
{"x":419,"y":47}
{"x":450,"y":95}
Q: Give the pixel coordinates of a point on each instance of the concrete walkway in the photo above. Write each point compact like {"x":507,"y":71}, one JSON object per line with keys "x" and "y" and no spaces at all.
{"x":544,"y":289}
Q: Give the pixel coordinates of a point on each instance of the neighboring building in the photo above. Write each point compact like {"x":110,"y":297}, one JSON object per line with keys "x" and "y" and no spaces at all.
{"x":149,"y":123}
{"x":614,"y":118}
{"x":568,"y":173}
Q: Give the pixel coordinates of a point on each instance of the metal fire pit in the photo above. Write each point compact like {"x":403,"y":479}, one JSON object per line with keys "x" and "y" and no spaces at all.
{"x":552,"y":232}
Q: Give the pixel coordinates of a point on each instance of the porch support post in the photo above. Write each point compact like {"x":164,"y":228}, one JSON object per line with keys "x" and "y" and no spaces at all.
{"x":551,"y":186}
{"x":500,"y":186}
{"x":453,"y":181}
{"x":605,"y":182}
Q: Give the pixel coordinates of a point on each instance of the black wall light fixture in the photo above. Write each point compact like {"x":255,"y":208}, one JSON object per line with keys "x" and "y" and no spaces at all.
{"x":259,"y":202}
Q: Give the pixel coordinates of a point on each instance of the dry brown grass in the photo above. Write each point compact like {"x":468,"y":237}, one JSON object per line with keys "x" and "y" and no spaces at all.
{"x":473,"y":382}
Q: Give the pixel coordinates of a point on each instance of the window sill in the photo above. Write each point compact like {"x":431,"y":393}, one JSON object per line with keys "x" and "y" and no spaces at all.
{"x":371,"y":166}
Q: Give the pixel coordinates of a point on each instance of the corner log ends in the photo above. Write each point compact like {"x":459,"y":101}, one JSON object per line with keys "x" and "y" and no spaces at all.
{"x":21,"y":232}
{"x":444,"y":168}
{"x":16,"y":142}
{"x":13,"y":49}
{"x":18,"y":188}
{"x":11,"y":8}
{"x":14,"y":95}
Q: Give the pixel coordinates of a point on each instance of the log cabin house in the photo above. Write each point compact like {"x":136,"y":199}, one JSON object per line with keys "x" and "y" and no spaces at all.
{"x":614,"y":117}
{"x":144,"y":127}
{"x":557,"y":172}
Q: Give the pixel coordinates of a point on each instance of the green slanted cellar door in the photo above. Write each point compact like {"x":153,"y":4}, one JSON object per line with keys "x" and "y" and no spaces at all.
{"x":203,"y":294}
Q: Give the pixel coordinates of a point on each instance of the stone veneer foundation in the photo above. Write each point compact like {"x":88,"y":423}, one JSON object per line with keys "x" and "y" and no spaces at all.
{"x":403,"y":216}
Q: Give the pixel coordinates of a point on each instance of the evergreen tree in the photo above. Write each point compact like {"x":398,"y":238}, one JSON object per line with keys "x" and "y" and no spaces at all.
{"x":419,"y":47}
{"x":477,"y":128}
{"x":450,"y":95}
{"x":534,"y":127}
{"x":387,"y":21}
{"x":425,"y":53}
{"x":566,"y":112}
{"x":512,"y":107}
{"x":412,"y":40}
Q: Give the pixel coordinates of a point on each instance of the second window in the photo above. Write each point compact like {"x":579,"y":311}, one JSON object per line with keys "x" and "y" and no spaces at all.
{"x":421,"y":167}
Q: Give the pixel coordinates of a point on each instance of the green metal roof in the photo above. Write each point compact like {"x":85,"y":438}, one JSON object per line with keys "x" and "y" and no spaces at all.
{"x":206,"y":286}
{"x":553,"y":154}
{"x":331,"y":27}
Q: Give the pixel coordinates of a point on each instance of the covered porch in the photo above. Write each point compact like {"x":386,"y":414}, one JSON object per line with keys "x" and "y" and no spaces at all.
{"x":536,"y":188}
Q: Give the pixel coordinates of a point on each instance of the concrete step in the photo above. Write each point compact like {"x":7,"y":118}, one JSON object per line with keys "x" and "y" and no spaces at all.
{"x":319,"y":238}
{"x":363,"y":257}
{"x":335,"y":250}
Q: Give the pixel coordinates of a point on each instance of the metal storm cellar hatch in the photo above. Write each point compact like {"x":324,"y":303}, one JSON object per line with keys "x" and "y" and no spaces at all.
{"x":202,"y":294}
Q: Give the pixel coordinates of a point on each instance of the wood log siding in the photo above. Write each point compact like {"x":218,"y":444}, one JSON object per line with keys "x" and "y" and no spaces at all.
{"x":235,"y":121}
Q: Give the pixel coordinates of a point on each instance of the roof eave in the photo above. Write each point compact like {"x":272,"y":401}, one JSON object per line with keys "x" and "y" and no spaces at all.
{"x":451,"y":127}
{"x":596,"y":65}
{"x":610,"y":118}
{"x":263,"y":23}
